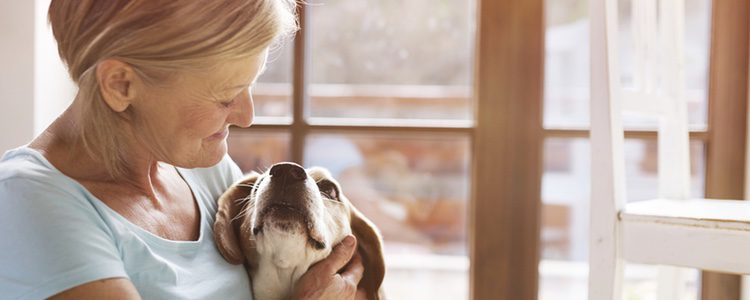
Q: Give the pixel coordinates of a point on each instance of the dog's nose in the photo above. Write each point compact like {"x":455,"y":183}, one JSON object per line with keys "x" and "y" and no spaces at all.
{"x":290,"y":171}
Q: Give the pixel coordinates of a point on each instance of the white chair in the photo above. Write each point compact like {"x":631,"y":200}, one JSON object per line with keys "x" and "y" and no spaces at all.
{"x":673,"y":230}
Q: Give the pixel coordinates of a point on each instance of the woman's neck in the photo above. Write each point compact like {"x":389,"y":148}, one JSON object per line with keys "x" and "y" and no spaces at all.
{"x":62,"y":145}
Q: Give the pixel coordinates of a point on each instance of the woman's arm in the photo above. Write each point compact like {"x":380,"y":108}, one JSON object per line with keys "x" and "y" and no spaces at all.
{"x":110,"y":288}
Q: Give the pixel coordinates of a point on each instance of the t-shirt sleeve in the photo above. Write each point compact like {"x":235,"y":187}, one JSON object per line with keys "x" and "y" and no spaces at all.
{"x":51,"y":240}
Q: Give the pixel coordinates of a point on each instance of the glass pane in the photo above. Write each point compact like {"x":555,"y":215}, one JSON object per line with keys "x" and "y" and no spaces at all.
{"x":272,"y":94}
{"x":641,"y":283}
{"x":641,"y":172}
{"x":566,"y":81}
{"x":566,"y":186}
{"x":415,"y":189}
{"x":697,"y":46}
{"x":392,"y":59}
{"x":255,"y":150}
{"x":566,"y":64}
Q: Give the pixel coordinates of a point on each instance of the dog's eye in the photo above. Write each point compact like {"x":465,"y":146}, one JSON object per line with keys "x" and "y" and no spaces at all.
{"x":328,"y":189}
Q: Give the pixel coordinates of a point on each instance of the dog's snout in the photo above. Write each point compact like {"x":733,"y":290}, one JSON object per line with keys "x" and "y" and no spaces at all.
{"x":290,"y":171}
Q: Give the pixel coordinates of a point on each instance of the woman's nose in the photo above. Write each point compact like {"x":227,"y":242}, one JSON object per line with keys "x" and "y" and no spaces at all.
{"x":244,"y":111}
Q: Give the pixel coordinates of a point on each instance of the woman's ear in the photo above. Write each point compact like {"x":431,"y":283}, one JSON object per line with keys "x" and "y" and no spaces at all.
{"x":115,"y":79}
{"x":369,"y":245}
{"x":227,"y":226}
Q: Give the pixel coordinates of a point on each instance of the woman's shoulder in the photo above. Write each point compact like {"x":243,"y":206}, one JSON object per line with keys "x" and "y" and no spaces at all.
{"x":52,"y":237}
{"x":22,"y":162}
{"x":25,"y":171}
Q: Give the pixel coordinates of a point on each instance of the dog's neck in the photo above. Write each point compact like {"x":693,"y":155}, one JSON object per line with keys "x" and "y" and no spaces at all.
{"x":282,"y":262}
{"x":273,"y":283}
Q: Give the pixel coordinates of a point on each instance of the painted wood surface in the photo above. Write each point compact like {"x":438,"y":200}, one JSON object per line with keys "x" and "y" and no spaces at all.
{"x":634,"y":232}
{"x":607,"y":173}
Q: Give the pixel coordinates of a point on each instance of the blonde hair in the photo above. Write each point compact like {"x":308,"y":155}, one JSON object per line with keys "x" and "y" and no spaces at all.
{"x":156,"y":38}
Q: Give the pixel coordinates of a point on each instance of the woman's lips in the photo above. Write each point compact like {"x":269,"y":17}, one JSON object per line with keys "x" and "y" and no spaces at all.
{"x":219,"y":135}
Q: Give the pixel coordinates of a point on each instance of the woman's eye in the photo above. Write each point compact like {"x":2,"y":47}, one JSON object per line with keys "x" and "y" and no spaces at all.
{"x":227,"y":103}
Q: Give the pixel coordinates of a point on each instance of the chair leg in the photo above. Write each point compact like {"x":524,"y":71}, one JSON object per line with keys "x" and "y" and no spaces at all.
{"x":605,"y":272}
{"x":745,"y":290}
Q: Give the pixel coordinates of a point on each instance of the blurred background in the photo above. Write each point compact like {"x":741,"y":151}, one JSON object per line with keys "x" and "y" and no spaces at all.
{"x":385,"y":100}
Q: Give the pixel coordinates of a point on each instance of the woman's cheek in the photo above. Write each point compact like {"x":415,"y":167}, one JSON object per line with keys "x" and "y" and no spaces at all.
{"x":205,"y":122}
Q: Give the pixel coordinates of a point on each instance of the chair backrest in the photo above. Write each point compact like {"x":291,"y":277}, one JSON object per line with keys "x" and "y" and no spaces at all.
{"x":658,"y":91}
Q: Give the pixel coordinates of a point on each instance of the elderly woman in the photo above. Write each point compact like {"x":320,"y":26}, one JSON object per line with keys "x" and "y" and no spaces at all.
{"x":117,"y":197}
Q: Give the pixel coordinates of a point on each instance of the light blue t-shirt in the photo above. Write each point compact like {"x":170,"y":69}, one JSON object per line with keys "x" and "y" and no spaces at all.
{"x":55,"y":235}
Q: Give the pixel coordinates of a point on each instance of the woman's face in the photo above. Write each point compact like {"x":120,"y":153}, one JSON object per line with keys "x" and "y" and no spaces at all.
{"x":185,"y":123}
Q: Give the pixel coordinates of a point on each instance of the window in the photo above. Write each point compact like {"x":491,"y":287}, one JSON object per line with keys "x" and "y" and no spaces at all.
{"x":382,"y":98}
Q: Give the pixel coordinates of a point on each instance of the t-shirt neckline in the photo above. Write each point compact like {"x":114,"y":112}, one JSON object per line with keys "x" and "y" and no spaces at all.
{"x":143,"y":232}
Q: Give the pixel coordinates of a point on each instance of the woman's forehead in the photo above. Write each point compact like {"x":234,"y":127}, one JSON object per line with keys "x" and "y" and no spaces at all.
{"x":239,"y":73}
{"x":227,"y":76}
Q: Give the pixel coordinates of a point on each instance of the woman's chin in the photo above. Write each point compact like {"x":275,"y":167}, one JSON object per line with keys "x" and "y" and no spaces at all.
{"x":204,"y":157}
{"x":214,"y":155}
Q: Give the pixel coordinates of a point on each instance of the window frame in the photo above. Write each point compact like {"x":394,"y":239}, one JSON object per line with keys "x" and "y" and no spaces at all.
{"x":727,"y":122}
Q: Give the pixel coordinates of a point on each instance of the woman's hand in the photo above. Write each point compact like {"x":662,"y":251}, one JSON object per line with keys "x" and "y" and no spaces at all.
{"x":335,"y":277}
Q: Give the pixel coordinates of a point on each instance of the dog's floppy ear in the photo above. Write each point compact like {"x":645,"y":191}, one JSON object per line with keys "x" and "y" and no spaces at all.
{"x":370,"y":248}
{"x":227,"y":225}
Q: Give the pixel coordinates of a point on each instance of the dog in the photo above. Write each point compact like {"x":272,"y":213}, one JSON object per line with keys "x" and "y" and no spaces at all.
{"x":281,"y":222}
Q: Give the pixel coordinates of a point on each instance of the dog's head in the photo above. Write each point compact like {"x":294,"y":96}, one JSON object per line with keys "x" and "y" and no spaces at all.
{"x":292,"y":217}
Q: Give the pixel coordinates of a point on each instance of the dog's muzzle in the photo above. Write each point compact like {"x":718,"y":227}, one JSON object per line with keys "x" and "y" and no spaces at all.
{"x":287,"y":204}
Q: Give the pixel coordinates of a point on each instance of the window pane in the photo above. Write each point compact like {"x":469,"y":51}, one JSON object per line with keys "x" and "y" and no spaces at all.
{"x":566,"y":186}
{"x":392,"y":59}
{"x":272,"y":94}
{"x":641,"y":169}
{"x":415,"y":189}
{"x":567,"y":63}
{"x":255,"y":150}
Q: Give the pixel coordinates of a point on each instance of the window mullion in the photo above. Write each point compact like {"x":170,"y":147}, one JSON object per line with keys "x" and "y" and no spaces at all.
{"x":300,"y":78}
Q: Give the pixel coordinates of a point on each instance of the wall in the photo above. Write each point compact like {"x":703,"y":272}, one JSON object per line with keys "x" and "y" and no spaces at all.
{"x":53,"y":89}
{"x":34,"y":86}
{"x":16,"y":74}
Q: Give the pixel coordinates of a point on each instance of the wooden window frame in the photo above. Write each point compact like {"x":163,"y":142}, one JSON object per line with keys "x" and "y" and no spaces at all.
{"x":727,"y":122}
{"x":507,"y":154}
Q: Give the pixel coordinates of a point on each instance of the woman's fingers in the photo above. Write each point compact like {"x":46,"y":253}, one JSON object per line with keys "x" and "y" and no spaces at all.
{"x":339,"y":257}
{"x":354,"y":270}
{"x":335,"y":277}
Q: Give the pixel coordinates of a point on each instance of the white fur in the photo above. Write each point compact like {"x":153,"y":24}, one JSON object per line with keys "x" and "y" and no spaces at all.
{"x":284,"y":258}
